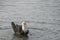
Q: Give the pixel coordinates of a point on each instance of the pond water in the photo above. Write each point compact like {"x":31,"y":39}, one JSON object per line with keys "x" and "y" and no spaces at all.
{"x":42,"y":18}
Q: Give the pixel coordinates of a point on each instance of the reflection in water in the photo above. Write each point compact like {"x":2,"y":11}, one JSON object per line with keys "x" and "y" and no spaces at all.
{"x":17,"y":37}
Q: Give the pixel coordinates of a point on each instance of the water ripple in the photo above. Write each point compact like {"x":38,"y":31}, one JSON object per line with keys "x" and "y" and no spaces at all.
{"x":2,"y":39}
{"x":41,"y":29}
{"x":43,"y":22}
{"x":4,"y":28}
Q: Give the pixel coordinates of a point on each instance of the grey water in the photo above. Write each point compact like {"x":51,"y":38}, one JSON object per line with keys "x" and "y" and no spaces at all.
{"x":42,"y":18}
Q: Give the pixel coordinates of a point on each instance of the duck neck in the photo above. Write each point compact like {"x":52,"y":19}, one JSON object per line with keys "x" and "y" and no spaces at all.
{"x":23,"y":27}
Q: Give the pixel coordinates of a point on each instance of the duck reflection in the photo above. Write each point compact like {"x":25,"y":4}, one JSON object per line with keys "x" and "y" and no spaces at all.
{"x":19,"y":37}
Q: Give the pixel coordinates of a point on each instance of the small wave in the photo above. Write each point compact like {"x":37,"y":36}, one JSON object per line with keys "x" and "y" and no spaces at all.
{"x":41,"y":29}
{"x":2,"y":39}
{"x":42,"y":22}
{"x":58,"y":30}
{"x":4,"y":28}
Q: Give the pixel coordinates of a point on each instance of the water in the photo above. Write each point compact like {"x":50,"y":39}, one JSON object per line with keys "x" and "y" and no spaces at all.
{"x":42,"y":17}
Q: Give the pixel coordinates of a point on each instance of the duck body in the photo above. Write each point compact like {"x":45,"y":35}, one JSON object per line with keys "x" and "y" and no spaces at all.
{"x":18,"y":29}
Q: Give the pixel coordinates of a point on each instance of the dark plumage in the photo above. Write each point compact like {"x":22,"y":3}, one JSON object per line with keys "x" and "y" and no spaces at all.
{"x":18,"y":29}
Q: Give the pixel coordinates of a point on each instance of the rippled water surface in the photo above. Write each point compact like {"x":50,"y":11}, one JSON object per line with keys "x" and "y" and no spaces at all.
{"x":42,"y":17}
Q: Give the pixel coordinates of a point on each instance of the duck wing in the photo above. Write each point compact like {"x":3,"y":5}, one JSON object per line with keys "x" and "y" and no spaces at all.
{"x":13,"y":26}
{"x":19,"y":27}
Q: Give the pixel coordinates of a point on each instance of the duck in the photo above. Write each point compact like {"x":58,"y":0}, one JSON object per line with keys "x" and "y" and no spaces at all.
{"x":20,"y":29}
